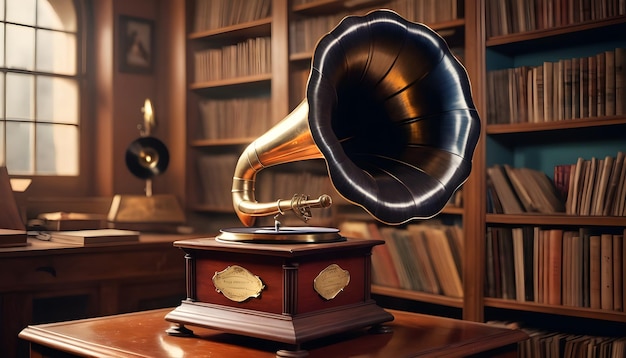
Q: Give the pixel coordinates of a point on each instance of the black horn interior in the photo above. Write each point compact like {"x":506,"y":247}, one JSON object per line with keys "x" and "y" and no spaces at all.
{"x":391,"y":111}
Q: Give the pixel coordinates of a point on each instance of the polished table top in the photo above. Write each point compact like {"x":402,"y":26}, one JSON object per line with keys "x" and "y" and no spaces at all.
{"x":142,"y":334}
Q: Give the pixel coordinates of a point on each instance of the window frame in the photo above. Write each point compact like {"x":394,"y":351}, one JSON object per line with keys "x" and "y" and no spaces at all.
{"x":81,"y":184}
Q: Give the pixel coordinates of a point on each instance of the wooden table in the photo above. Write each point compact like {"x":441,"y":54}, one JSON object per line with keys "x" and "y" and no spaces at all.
{"x":142,"y":334}
{"x":49,"y":282}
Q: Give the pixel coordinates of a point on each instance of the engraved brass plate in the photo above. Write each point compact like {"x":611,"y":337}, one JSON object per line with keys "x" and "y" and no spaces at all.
{"x":330,"y":281}
{"x":237,"y":283}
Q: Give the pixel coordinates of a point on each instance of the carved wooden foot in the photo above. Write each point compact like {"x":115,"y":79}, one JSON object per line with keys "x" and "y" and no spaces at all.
{"x":179,"y":330}
{"x":296,"y":353}
{"x":380,"y":329}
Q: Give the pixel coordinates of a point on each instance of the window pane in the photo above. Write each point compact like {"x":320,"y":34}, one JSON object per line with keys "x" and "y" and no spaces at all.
{"x":57,"y":149}
{"x":20,"y":147}
{"x":2,"y":162}
{"x":57,"y":100}
{"x":56,"y":14}
{"x":19,"y":99}
{"x":21,"y":11}
{"x":20,"y":50}
{"x":2,"y":45}
{"x":56,"y":52}
{"x":1,"y":95}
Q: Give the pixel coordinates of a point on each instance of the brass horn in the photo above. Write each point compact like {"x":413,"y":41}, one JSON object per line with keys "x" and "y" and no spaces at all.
{"x":389,"y":108}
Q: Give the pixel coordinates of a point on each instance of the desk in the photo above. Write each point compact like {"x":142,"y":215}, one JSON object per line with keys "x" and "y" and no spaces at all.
{"x":142,"y":334}
{"x":50,"y":282}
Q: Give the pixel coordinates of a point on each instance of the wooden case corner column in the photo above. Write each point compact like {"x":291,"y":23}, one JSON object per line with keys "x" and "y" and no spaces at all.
{"x":288,"y":308}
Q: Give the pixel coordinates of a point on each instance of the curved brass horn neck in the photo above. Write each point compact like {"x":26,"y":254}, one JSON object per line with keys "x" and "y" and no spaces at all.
{"x":288,"y":141}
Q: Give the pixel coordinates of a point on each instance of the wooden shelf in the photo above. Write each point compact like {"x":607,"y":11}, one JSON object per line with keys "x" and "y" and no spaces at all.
{"x":552,"y":33}
{"x":234,"y":83}
{"x":418,"y":296}
{"x":445,"y":28}
{"x":555,"y":220}
{"x":582,"y":312}
{"x":206,"y":143}
{"x":524,"y":128}
{"x":257,"y":28}
{"x":330,"y":6}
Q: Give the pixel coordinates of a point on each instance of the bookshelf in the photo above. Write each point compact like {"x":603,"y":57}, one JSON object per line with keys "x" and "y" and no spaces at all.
{"x":470,"y":33}
{"x":573,"y":121}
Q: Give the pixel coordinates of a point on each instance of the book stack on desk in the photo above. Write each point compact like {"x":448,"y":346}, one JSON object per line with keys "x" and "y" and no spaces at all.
{"x":94,"y":237}
{"x":11,"y":237}
{"x":62,"y":221}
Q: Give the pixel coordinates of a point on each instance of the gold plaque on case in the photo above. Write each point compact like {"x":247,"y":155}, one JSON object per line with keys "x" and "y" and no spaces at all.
{"x":237,"y":283}
{"x":331,"y":281}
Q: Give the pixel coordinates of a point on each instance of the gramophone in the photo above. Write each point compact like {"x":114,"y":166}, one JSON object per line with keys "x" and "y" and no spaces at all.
{"x":389,"y":109}
{"x":146,"y":157}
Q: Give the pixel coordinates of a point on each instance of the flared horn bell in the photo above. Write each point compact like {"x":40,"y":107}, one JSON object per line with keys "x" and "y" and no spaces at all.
{"x":389,"y":108}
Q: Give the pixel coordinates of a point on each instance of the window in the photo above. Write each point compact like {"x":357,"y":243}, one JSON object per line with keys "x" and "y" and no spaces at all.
{"x":39,"y":87}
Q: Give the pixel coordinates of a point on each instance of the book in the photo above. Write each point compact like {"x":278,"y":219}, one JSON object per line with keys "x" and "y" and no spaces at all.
{"x":90,"y":237}
{"x":554,"y":269}
{"x":423,"y":260}
{"x":518,"y":186}
{"x":504,"y":238}
{"x":618,"y":273}
{"x":443,"y":262}
{"x":528,"y":235}
{"x":62,"y":221}
{"x":613,"y":183}
{"x":406,"y":251}
{"x":603,"y":184}
{"x":11,"y":237}
{"x":542,"y":191}
{"x":537,"y":266}
{"x":507,"y":197}
{"x":390,"y":276}
{"x":394,"y":251}
{"x":606,"y":271}
{"x":594,"y":271}
{"x":518,"y":260}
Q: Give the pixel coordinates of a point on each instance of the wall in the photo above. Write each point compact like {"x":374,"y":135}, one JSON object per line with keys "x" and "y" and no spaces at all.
{"x":119,"y":96}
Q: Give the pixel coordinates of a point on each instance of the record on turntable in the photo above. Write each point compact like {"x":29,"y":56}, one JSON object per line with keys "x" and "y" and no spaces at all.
{"x":282,"y":235}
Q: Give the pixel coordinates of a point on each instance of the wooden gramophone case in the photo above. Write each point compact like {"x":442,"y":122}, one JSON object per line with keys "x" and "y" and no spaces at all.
{"x":289,"y":308}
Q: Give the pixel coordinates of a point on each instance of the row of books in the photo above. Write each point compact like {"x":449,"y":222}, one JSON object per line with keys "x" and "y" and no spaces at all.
{"x":508,"y":17}
{"x":595,"y":186}
{"x":421,"y":257}
{"x":585,"y":87}
{"x":426,"y":11}
{"x":213,"y":14}
{"x":235,"y":117}
{"x":544,"y":344}
{"x":579,"y":268}
{"x":216,"y":176}
{"x":216,"y":173}
{"x":518,"y":190}
{"x":247,"y":58}
{"x":306,"y":32}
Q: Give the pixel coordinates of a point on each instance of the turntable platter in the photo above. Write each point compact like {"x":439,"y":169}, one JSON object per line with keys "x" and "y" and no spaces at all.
{"x":285,"y":235}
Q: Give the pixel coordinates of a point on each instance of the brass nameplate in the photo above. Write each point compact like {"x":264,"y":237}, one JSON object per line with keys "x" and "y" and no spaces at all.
{"x":237,"y":284}
{"x":330,"y":281}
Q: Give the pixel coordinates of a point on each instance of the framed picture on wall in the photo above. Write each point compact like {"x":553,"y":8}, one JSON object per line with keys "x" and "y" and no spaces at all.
{"x":136,"y":44}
